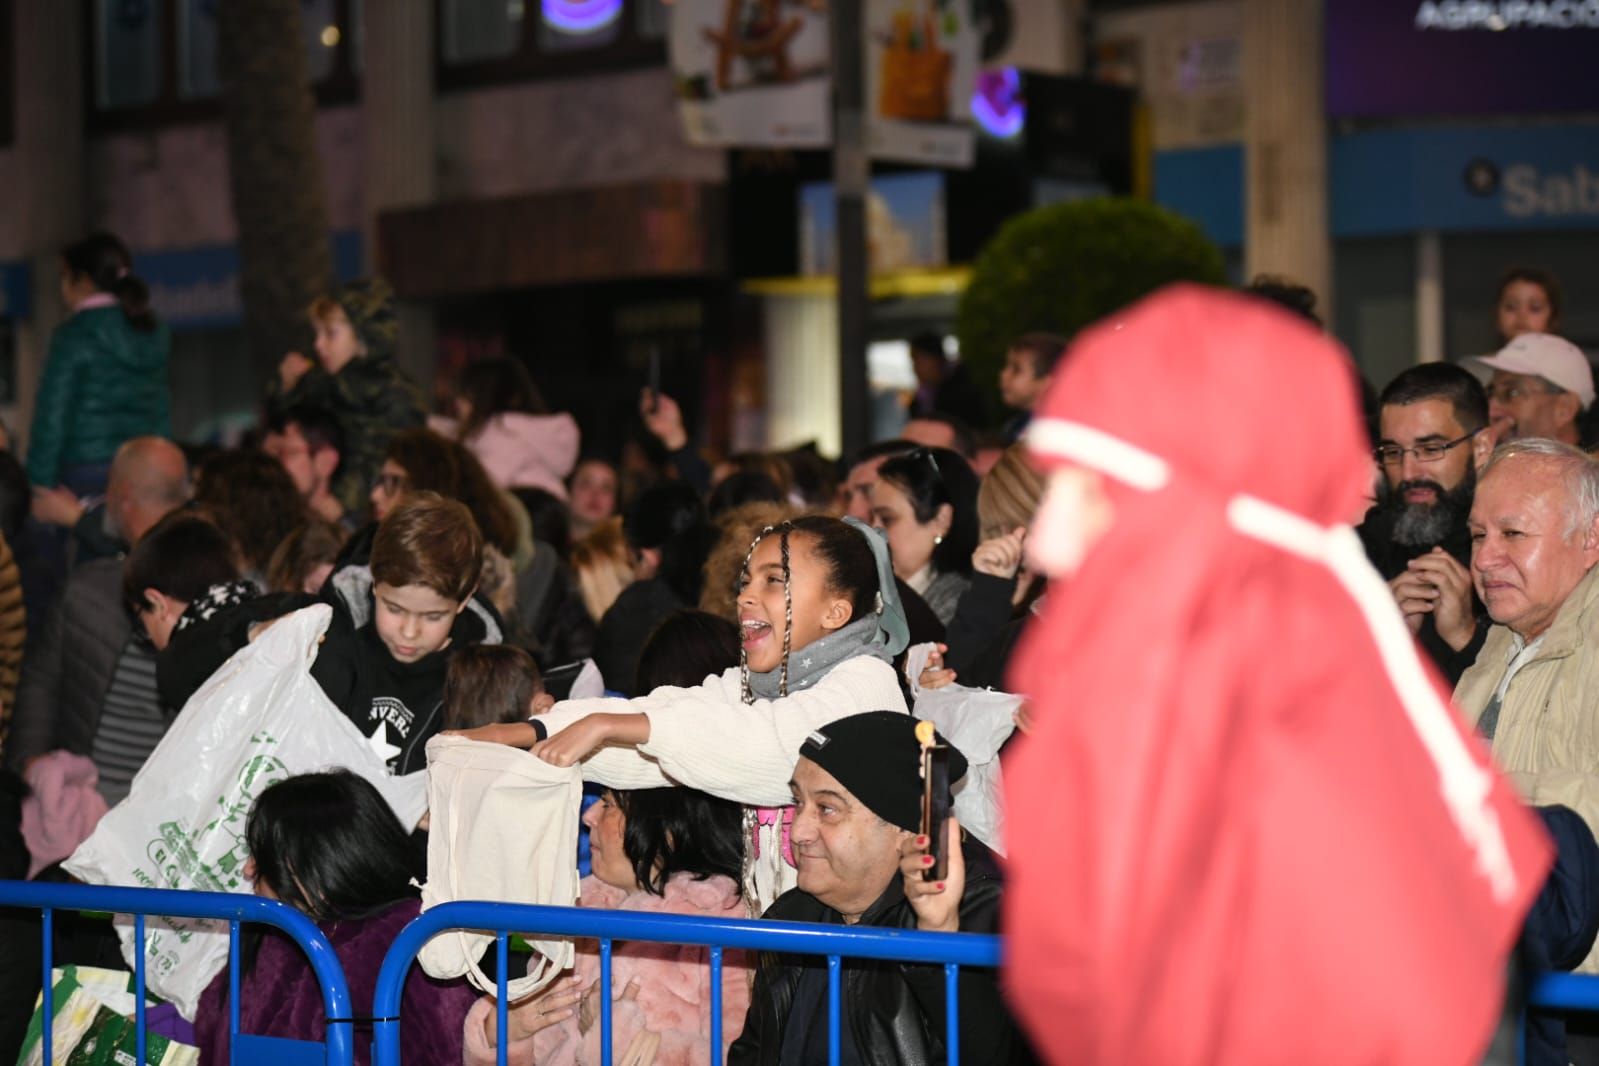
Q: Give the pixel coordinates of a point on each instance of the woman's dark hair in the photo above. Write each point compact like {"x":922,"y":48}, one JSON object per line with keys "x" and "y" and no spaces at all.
{"x":489,"y":683}
{"x":930,"y":478}
{"x":104,"y":260}
{"x":316,"y":542}
{"x":744,"y":486}
{"x":496,"y":386}
{"x":433,"y":464}
{"x":670,"y":518}
{"x":551,"y":518}
{"x":253,"y":499}
{"x":681,"y":830}
{"x":774,"y":466}
{"x":814,"y":478}
{"x":686,"y":649}
{"x":328,"y":845}
{"x":1289,"y":295}
{"x":181,"y":556}
{"x":1533,"y":276}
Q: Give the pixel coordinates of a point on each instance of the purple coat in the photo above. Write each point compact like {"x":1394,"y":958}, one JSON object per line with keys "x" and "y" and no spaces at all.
{"x":280,"y":996}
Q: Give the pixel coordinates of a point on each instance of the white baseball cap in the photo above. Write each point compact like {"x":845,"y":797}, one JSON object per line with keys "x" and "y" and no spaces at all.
{"x":1552,"y":358}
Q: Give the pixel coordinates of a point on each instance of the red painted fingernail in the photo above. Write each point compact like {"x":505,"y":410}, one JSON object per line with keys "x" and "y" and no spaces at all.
{"x":941,"y":886}
{"x":921,"y":842}
{"x":927,"y":860}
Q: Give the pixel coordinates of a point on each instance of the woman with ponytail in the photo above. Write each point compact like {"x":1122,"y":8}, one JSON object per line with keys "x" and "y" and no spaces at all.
{"x":105,"y":380}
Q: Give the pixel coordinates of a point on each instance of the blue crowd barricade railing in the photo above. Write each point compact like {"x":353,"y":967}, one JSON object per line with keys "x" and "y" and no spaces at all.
{"x":234,"y":909}
{"x":1559,"y":993}
{"x":949,"y":950}
{"x":1564,"y":992}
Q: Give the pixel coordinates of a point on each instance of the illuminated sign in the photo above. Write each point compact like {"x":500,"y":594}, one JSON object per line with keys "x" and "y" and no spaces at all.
{"x":1508,"y":15}
{"x":1396,"y":58}
{"x":581,"y":16}
{"x":997,"y":103}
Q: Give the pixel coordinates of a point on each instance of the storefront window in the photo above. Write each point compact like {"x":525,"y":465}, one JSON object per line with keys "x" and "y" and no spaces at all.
{"x":158,"y":60}
{"x":651,"y":19}
{"x":487,"y":41}
{"x":197,"y":34}
{"x":130,"y":52}
{"x":475,"y":30}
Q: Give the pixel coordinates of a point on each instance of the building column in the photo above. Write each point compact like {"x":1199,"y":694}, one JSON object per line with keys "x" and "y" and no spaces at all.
{"x":1285,"y":146}
{"x":50,"y":194}
{"x":401,"y":148}
{"x":802,"y":372}
{"x":1429,"y":297}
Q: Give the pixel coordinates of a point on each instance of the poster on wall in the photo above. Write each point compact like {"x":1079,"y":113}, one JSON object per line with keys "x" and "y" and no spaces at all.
{"x":921,"y":71}
{"x":752,"y":73}
{"x":904,"y":224}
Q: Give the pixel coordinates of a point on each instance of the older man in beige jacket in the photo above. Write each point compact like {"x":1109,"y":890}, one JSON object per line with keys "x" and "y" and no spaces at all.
{"x":1534,"y":690}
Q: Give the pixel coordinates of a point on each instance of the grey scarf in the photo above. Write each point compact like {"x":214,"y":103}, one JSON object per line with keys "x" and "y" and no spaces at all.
{"x":810,"y":664}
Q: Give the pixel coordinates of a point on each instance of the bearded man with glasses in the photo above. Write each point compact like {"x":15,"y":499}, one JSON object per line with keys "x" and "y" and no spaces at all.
{"x":1431,"y":444}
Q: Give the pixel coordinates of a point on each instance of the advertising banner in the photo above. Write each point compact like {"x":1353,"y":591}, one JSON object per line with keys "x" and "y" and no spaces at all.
{"x":904,"y":224}
{"x":752,"y":73}
{"x":921,"y":71}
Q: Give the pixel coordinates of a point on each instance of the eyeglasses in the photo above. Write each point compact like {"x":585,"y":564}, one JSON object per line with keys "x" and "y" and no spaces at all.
{"x":1393,"y":454}
{"x":389,"y":483}
{"x":1512,"y":393}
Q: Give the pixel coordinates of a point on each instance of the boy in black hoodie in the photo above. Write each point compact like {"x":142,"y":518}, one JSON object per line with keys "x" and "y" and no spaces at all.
{"x":386,"y":675}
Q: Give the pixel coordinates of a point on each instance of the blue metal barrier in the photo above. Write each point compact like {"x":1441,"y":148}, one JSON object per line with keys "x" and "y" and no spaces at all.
{"x":1558,"y":993}
{"x":217,"y":906}
{"x":950,"y":950}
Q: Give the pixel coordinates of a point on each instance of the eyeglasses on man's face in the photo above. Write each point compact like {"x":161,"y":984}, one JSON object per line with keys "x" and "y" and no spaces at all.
{"x":1512,"y":393}
{"x":1430,"y":452}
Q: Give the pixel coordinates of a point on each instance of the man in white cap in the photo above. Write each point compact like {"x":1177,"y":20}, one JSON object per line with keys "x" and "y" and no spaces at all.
{"x":1541,"y":386}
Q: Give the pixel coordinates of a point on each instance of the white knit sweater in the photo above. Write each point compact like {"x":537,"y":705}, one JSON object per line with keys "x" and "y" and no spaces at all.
{"x":707,"y":738}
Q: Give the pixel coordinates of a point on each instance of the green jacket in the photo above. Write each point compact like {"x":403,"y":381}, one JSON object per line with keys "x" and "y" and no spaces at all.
{"x":372,"y":400}
{"x":104,"y":383}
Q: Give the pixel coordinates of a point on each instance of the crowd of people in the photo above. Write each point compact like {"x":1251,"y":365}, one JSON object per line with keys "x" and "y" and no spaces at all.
{"x":767,"y":630}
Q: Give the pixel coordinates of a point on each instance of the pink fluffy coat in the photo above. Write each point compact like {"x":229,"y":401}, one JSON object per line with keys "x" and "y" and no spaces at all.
{"x":674,"y":997}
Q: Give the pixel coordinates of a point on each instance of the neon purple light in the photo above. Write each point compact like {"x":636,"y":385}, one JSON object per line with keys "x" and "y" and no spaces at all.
{"x":581,"y":16}
{"x":997,"y":105}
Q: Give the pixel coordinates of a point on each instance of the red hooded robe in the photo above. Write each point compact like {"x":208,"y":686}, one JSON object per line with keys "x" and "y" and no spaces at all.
{"x":1247,"y":826}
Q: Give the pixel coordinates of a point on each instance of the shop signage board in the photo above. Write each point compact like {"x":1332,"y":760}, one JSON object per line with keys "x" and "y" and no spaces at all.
{"x":1392,"y":58}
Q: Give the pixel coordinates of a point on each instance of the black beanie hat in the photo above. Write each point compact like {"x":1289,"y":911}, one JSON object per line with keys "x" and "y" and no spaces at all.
{"x":877,"y":757}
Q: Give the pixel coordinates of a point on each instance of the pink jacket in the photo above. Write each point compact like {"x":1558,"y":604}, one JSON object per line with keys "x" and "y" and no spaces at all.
{"x":62,"y":807}
{"x":523,"y":451}
{"x":674,"y":995}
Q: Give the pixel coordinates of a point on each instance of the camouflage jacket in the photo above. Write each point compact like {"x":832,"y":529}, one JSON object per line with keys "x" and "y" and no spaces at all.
{"x":373,"y":400}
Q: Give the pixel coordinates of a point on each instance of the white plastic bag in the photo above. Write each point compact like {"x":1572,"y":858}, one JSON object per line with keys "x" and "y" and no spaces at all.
{"x":259,"y":719}
{"x":504,"y":828}
{"x":977,"y":722}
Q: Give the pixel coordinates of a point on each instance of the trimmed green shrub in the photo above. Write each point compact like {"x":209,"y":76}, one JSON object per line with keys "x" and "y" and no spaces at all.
{"x":1062,"y":267}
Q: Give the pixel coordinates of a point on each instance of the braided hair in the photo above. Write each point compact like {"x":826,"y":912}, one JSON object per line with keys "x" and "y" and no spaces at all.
{"x":851,"y":572}
{"x":782,"y":529}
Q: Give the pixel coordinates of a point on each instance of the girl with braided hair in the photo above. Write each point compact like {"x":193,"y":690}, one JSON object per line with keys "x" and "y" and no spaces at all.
{"x":820,"y":622}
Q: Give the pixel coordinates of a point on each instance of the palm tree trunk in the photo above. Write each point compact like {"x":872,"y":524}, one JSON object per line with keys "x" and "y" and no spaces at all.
{"x":285,"y":253}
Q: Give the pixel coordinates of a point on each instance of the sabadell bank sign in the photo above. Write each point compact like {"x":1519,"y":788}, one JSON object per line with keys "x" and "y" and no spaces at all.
{"x":1528,"y":192}
{"x":1458,"y":15}
{"x":1461,"y":179}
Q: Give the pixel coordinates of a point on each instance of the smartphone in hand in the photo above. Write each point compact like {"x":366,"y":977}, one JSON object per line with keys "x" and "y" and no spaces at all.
{"x":935,"y":808}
